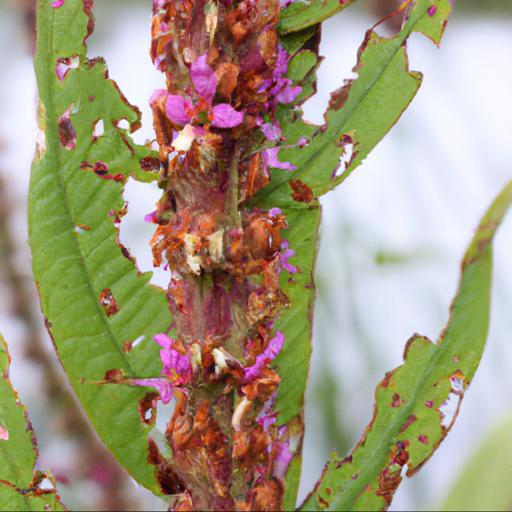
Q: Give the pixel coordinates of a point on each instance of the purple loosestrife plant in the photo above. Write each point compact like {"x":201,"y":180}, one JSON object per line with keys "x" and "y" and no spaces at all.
{"x":226,"y":345}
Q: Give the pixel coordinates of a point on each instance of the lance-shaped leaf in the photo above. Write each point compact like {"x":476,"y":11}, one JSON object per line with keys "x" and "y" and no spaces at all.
{"x":95,"y":301}
{"x":417,"y":403}
{"x":360,"y":113}
{"x":19,"y":482}
{"x":303,"y":14}
{"x":296,"y":324}
{"x":18,"y":450}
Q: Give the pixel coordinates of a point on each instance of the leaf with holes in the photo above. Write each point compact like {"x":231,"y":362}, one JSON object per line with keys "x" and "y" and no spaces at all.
{"x":20,"y":484}
{"x":417,"y":403}
{"x":95,"y":301}
{"x":359,"y":114}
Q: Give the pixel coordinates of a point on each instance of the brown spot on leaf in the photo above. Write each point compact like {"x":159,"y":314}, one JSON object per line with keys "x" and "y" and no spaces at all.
{"x":302,"y":193}
{"x":108,"y":302}
{"x":149,"y":164}
{"x":169,"y":480}
{"x":429,"y":404}
{"x":147,"y":408}
{"x":114,"y":376}
{"x":423,"y":439}
{"x":346,"y":460}
{"x":322,"y":501}
{"x":397,"y":401}
{"x":386,"y":380}
{"x":408,"y":422}
{"x":67,"y":133}
{"x":101,"y":170}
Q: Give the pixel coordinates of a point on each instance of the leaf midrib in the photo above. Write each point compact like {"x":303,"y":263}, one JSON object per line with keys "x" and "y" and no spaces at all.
{"x":53,"y":156}
{"x":440,"y":349}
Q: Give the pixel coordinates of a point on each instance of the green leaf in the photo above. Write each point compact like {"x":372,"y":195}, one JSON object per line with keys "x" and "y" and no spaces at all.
{"x":417,"y":403}
{"x":362,"y":111}
{"x":17,"y":441}
{"x":484,"y":483}
{"x":19,"y":482}
{"x":303,"y":14}
{"x":16,"y":501}
{"x":78,"y":262}
{"x":296,"y":40}
{"x":296,"y":324}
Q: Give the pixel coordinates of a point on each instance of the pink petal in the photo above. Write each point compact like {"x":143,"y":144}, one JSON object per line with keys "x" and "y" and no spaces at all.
{"x":282,"y":460}
{"x":158,"y":4}
{"x":271,"y":160}
{"x":273,"y":212}
{"x":272,"y":131}
{"x":4,"y":434}
{"x":163,"y":386}
{"x":288,"y":94}
{"x":266,"y":421}
{"x":65,"y":64}
{"x":266,"y":357}
{"x":157,"y":94}
{"x":431,"y":11}
{"x":203,"y":78}
{"x":285,"y":255}
{"x":176,"y":366}
{"x":151,"y":217}
{"x":57,"y":3}
{"x":163,"y":340}
{"x":176,"y":109}
{"x":302,"y":142}
{"x":225,"y":116}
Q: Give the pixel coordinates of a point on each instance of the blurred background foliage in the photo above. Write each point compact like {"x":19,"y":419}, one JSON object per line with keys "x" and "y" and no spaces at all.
{"x":391,"y":241}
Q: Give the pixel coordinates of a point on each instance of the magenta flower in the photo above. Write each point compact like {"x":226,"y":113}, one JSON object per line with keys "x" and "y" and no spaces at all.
{"x":157,"y":94}
{"x":285,"y":255}
{"x":176,"y":370}
{"x":57,"y":3}
{"x":279,"y":88}
{"x":161,"y":384}
{"x":176,"y":366}
{"x":158,"y":4}
{"x":272,"y":131}
{"x":151,"y":218}
{"x":203,"y":78}
{"x":181,"y":111}
{"x":266,"y":417}
{"x":282,"y":460}
{"x":266,"y":357}
{"x":270,"y":160}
